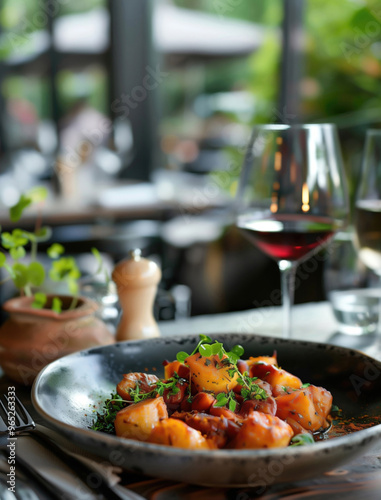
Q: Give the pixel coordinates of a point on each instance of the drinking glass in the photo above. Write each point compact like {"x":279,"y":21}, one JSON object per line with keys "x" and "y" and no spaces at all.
{"x":368,"y":210}
{"x":292,"y":196}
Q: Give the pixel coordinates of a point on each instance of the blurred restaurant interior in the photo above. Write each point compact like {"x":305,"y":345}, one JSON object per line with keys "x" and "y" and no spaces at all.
{"x":135,"y":115}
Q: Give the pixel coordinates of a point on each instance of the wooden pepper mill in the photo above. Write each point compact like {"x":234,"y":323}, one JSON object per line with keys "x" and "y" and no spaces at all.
{"x":136,"y":279}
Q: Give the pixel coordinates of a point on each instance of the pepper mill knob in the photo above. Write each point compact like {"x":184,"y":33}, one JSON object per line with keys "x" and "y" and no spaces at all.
{"x":136,"y":279}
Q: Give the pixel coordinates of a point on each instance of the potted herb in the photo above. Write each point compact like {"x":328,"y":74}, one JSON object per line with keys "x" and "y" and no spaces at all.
{"x":43,"y":327}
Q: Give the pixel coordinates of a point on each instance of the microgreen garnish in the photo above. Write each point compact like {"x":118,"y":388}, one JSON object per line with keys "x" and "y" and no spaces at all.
{"x":175,"y":390}
{"x":226,"y":399}
{"x":104,"y":420}
{"x":302,"y":439}
{"x":235,"y":354}
{"x":206,"y":348}
{"x":182,"y":356}
{"x":158,"y":389}
{"x":335,"y":408}
{"x":250,"y":389}
{"x":305,"y":385}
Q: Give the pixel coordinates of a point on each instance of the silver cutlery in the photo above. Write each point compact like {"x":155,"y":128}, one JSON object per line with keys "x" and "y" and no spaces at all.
{"x":33,"y":475}
{"x":24,"y":424}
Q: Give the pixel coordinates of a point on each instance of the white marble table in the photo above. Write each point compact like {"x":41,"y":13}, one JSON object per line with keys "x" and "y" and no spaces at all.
{"x":313,"y":321}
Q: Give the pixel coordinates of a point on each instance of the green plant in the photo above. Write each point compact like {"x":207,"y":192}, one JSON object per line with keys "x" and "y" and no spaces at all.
{"x":31,"y":274}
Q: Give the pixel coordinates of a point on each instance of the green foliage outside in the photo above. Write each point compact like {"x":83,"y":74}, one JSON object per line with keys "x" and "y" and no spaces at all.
{"x":21,"y":21}
{"x":342,"y":72}
{"x":341,"y":68}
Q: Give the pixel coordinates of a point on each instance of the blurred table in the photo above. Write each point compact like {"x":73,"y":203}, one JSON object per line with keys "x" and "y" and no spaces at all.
{"x":122,"y":200}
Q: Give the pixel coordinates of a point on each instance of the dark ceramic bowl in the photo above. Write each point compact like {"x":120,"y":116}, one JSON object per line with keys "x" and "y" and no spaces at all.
{"x":65,"y":391}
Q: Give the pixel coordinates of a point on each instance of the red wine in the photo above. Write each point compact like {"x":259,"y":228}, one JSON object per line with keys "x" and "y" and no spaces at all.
{"x":368,"y":228}
{"x":288,"y":237}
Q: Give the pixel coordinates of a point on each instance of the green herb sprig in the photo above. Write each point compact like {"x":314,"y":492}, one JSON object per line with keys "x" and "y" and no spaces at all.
{"x":250,"y":389}
{"x":104,"y":420}
{"x":226,"y":399}
{"x":335,"y":408}
{"x":302,"y":440}
{"x":206,"y":348}
{"x":158,"y":390}
{"x":182,"y":355}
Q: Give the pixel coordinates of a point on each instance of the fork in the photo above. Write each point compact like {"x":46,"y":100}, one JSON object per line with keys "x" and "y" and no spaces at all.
{"x":24,"y":424}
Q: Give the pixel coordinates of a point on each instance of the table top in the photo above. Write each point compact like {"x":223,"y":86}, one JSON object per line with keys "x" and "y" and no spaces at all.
{"x":313,"y":321}
{"x":118,"y":200}
{"x":358,"y":479}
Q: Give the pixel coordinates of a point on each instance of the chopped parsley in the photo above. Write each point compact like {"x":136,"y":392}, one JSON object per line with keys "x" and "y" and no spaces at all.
{"x":104,"y":420}
{"x":250,"y":389}
{"x":158,"y":389}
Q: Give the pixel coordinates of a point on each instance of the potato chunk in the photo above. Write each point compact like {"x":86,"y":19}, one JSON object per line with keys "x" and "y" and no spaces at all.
{"x":309,"y":407}
{"x":203,"y":401}
{"x":138,"y":420}
{"x":176,"y":367}
{"x":173,"y":432}
{"x":267,"y":406}
{"x":219,"y":430}
{"x":211,"y":373}
{"x":276,"y":377}
{"x":130,"y":380}
{"x":270,"y":360}
{"x":261,"y":430}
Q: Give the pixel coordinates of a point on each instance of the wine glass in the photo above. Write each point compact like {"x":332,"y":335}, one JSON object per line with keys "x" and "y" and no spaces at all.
{"x":292,"y":196}
{"x":368,"y":210}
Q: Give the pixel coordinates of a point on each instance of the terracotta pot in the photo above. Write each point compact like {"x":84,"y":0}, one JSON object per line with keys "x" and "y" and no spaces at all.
{"x":32,"y":338}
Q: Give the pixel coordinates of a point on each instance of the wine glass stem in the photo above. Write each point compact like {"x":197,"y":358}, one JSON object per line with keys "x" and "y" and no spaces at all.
{"x":378,"y":332}
{"x":287,"y":273}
